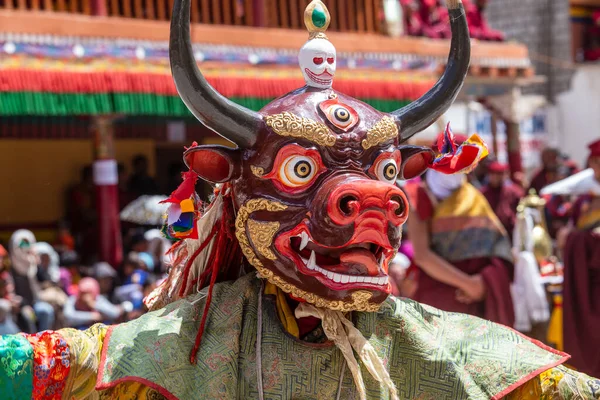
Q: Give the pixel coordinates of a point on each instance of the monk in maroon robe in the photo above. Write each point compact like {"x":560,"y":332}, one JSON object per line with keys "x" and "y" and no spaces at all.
{"x":581,"y":297}
{"x":503,"y":195}
{"x":550,"y":171}
{"x":461,"y":248}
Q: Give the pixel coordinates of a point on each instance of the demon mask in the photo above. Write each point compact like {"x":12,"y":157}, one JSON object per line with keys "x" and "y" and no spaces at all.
{"x":313,"y":177}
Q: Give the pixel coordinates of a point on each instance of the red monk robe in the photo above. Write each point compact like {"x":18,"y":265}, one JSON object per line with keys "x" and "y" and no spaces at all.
{"x":463,"y":231}
{"x":581,"y":292}
{"x":503,"y":195}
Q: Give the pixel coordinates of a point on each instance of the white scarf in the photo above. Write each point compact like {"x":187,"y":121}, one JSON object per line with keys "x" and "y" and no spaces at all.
{"x":442,"y":185}
{"x":23,"y":261}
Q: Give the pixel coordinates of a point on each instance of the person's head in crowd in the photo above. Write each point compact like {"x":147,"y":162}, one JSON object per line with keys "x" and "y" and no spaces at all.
{"x":570,"y":166}
{"x":594,"y":158}
{"x":88,"y":291}
{"x":65,"y":282}
{"x":550,"y":159}
{"x":6,"y":287}
{"x":105,"y":274}
{"x":158,"y":246}
{"x":4,"y":262}
{"x":147,"y":262}
{"x":496,"y":174}
{"x":131,"y":264}
{"x":140,"y":165}
{"x":70,"y":260}
{"x":48,"y":267}
{"x":24,"y":259}
{"x":65,"y":239}
{"x":139,"y":244}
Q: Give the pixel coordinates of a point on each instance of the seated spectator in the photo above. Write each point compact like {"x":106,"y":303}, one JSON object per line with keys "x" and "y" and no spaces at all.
{"x":89,"y":306}
{"x":106,"y":277}
{"x":147,"y":262}
{"x":131,"y":264}
{"x":48,"y":274}
{"x":140,"y":285}
{"x":48,"y":268}
{"x":21,"y":314}
{"x":7,"y":325}
{"x":158,"y":248}
{"x":24,"y":261}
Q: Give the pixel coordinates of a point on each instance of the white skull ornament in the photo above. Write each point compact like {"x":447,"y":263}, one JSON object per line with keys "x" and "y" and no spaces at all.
{"x":318,"y":60}
{"x":317,"y":57}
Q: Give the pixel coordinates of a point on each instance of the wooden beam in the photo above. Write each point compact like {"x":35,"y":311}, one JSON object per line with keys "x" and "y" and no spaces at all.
{"x":205,"y":12}
{"x":127,"y":8}
{"x":84,"y":26}
{"x":161,"y":9}
{"x":585,"y":3}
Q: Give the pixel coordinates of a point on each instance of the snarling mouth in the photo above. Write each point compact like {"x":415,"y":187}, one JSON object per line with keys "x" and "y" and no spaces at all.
{"x":356,"y":265}
{"x":324,"y":78}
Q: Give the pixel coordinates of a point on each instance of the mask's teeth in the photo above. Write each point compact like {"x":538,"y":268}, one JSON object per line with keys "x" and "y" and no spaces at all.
{"x":312,"y":261}
{"x":382,"y":260}
{"x":304,"y":242}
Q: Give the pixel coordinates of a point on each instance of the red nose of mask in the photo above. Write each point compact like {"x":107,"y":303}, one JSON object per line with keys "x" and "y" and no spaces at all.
{"x":354,"y":199}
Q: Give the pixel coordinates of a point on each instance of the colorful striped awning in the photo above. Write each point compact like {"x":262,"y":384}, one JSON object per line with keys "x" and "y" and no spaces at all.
{"x":88,"y":86}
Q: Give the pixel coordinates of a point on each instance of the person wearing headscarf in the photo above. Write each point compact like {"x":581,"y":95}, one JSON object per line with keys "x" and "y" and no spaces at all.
{"x":461,"y":248}
{"x":88,"y":306}
{"x":24,"y":264}
{"x":48,"y":267}
{"x":48,"y":275}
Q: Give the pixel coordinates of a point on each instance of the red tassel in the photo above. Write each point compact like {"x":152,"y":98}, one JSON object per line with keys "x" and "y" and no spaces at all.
{"x":215,"y":269}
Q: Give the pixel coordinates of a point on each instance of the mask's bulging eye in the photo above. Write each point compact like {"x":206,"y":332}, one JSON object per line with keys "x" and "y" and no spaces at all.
{"x":387,"y":170}
{"x":340,"y":115}
{"x":330,"y":60}
{"x":318,"y":60}
{"x":297,"y":171}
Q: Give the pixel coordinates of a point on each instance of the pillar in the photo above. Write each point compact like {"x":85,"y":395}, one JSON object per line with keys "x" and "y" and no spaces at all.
{"x":259,"y":8}
{"x":513,"y":150}
{"x":513,"y":108}
{"x":99,"y":8}
{"x":110,"y":248}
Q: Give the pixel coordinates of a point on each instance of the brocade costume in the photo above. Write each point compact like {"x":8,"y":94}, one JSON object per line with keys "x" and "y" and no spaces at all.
{"x":308,"y":198}
{"x":429,"y":354}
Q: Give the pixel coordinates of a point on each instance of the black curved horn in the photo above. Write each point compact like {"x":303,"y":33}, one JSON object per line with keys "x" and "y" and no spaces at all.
{"x":423,"y":112}
{"x":232,"y":121}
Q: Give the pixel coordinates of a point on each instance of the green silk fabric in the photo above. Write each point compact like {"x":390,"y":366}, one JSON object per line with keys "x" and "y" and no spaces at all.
{"x":16,"y":368}
{"x":430,"y":354}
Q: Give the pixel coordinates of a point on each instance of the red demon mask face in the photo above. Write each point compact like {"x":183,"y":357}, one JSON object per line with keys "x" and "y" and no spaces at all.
{"x":313,"y":182}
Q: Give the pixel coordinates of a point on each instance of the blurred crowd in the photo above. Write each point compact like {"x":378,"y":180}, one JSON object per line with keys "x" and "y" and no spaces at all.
{"x":44,"y":286}
{"x":50,"y":286}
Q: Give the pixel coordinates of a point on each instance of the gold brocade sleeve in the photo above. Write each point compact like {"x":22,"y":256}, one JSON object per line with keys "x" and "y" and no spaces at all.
{"x":86,"y":350}
{"x":560,"y":383}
